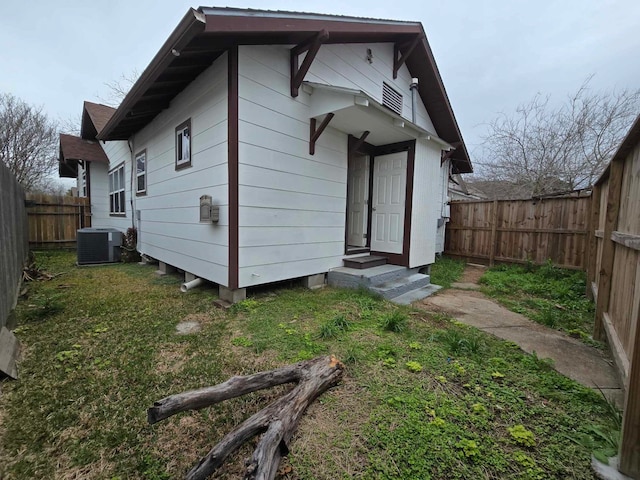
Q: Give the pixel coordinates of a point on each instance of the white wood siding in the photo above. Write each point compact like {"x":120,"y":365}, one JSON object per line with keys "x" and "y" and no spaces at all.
{"x":169,"y":228}
{"x":117,"y":152}
{"x":427,"y":203}
{"x":347,"y":66}
{"x":292,"y":204}
{"x":444,"y":207}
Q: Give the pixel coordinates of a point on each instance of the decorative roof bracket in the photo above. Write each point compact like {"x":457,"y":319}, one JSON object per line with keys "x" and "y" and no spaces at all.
{"x":448,"y":154}
{"x":310,"y":46}
{"x":358,"y":142}
{"x":399,"y":58}
{"x":314,"y":133}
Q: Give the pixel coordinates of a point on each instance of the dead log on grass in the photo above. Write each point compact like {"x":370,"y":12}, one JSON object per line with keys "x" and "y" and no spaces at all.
{"x":277,"y":421}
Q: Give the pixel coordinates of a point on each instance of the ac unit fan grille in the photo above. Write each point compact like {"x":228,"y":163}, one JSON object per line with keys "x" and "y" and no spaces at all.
{"x":98,"y":245}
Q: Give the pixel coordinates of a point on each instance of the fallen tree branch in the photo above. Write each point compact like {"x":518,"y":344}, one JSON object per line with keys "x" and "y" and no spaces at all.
{"x":277,"y":421}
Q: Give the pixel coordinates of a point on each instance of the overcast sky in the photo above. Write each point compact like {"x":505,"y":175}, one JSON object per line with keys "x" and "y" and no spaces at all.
{"x":492,"y":55}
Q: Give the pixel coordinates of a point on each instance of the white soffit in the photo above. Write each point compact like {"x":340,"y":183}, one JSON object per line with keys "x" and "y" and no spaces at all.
{"x":356,"y":112}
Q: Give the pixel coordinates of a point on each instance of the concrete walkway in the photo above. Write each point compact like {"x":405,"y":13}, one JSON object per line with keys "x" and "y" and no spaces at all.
{"x":587,"y":365}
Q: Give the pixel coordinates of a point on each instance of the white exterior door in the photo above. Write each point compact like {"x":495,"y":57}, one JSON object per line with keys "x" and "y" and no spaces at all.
{"x":389,"y":192}
{"x":357,"y":195}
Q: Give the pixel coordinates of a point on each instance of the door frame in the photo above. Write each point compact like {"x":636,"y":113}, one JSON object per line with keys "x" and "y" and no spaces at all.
{"x":372,"y":151}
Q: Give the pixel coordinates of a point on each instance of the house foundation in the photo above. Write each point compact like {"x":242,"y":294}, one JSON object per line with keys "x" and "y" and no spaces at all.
{"x":232,"y":296}
{"x":313,"y":282}
{"x":165,"y":268}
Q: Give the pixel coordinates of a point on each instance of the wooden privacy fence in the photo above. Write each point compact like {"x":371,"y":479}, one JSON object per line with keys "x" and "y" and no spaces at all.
{"x":13,"y":245}
{"x":614,"y":275}
{"x":519,"y":231}
{"x":54,"y":220}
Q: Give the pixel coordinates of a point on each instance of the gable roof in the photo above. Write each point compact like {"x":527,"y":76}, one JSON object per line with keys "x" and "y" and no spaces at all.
{"x":204,"y":34}
{"x":75,"y":149}
{"x":94,"y":117}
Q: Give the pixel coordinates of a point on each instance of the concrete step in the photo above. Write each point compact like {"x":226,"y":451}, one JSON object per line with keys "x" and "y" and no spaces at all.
{"x":399,"y":286}
{"x":361,"y":263}
{"x":367,"y":278}
{"x":414,"y":295}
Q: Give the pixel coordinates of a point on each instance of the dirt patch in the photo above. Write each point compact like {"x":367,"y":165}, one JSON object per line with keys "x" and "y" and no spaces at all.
{"x":201,"y":318}
{"x":472,"y":273}
{"x":171,"y":358}
{"x":329,"y":433}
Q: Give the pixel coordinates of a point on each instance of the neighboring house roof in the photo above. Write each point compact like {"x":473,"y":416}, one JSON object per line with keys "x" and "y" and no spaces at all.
{"x":75,"y":149}
{"x":205,"y":34}
{"x":94,"y":117}
{"x":458,"y":187}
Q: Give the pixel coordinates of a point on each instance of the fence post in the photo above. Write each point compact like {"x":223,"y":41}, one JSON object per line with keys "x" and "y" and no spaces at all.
{"x":608,"y":247}
{"x":630,"y":441}
{"x":494,"y":225}
{"x":592,"y":250}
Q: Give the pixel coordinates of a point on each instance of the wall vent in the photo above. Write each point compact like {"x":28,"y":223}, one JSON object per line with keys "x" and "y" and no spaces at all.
{"x":98,"y":245}
{"x":391,"y":98}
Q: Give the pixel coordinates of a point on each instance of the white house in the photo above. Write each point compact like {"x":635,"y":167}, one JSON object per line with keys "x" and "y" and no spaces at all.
{"x":315,"y":138}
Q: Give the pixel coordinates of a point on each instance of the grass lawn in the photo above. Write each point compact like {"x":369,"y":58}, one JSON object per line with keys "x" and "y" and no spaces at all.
{"x":446,"y":271}
{"x":551,"y":296}
{"x":421,"y":398}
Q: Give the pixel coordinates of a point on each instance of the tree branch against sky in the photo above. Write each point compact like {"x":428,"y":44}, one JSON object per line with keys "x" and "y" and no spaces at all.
{"x":547,"y":149}
{"x":28,"y":142}
{"x":117,"y":89}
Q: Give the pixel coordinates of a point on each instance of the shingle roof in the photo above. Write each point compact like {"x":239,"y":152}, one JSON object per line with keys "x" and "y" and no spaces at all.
{"x":205,"y":34}
{"x":94,"y":117}
{"x":76,"y":148}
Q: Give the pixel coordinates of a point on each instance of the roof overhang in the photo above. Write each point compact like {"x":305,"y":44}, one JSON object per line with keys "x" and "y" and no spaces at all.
{"x":204,"y":34}
{"x":356,"y":112}
{"x":94,"y":117}
{"x":74,"y":150}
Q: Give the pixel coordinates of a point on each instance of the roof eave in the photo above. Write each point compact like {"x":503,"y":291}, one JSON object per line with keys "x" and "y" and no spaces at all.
{"x":190,"y":26}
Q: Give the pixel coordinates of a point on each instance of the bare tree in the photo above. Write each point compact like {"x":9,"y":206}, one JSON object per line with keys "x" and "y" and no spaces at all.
{"x":543,"y":149}
{"x":28,"y":142}
{"x":118,"y":89}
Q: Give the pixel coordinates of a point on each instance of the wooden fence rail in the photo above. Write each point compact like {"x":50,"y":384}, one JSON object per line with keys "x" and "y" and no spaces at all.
{"x":54,"y":220}
{"x":520,"y":231}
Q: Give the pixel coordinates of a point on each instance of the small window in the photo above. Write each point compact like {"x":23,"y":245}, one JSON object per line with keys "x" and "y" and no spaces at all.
{"x":141,"y":172}
{"x":391,"y":98}
{"x":83,"y":183}
{"x":183,"y":145}
{"x":116,"y":191}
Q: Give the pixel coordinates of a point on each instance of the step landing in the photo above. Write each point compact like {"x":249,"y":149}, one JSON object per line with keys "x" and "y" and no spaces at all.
{"x":398,"y":284}
{"x":365,"y":262}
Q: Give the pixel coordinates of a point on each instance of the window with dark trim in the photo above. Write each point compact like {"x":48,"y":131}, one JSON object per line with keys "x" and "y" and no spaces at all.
{"x":141,"y":172}
{"x":116,"y":191}
{"x":83,"y":183}
{"x":183,"y":145}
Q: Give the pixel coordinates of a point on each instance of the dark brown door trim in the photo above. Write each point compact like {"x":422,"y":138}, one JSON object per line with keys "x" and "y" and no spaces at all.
{"x":409,"y":147}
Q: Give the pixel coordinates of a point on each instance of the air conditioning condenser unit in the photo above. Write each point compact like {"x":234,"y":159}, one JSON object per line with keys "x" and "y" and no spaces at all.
{"x":98,"y":245}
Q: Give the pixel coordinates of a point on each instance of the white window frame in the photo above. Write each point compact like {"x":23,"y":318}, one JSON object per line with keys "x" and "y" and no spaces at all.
{"x":116,"y":191}
{"x":183,"y":145}
{"x":141,"y":173}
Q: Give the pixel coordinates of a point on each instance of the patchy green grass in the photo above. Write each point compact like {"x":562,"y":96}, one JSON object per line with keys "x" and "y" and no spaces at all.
{"x":554,"y":297}
{"x":446,"y":271}
{"x":433,"y":399}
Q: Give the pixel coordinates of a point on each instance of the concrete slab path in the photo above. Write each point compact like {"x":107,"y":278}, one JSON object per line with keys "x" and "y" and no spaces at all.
{"x":585,"y":364}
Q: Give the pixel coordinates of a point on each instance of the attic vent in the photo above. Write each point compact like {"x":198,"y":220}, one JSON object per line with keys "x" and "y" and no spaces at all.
{"x":391,"y":98}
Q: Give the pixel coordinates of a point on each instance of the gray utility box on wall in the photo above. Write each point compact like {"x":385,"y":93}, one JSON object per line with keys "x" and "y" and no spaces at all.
{"x":98,"y":245}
